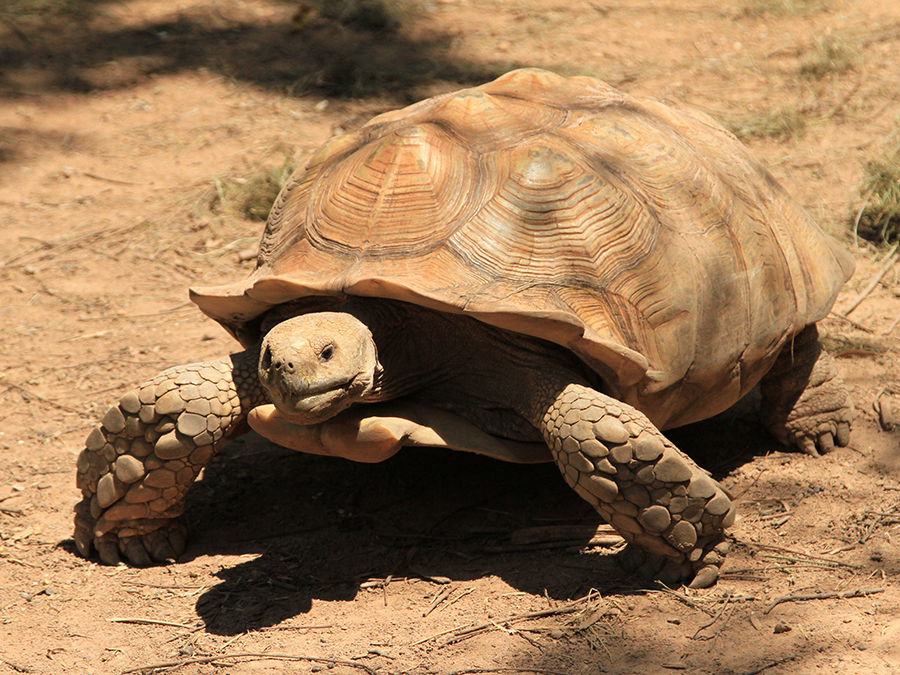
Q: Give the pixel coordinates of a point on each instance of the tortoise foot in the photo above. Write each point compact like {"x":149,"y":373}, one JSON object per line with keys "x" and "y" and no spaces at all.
{"x":702,"y":573}
{"x":651,"y":492}
{"x":805,"y":401}
{"x":137,"y":466}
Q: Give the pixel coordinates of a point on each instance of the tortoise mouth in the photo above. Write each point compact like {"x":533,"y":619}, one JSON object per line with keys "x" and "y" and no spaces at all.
{"x":301,"y":396}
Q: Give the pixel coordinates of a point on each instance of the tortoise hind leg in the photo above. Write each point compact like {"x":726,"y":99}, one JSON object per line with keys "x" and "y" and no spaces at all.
{"x":804,"y":399}
{"x":138,"y":464}
{"x":646,"y":488}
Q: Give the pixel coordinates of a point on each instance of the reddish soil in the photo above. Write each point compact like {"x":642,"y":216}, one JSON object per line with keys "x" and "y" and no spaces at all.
{"x":119,"y":128}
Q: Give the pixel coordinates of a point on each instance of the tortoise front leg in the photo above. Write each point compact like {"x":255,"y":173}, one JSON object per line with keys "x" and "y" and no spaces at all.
{"x":651,"y":492}
{"x":804,"y":399}
{"x":138,"y":464}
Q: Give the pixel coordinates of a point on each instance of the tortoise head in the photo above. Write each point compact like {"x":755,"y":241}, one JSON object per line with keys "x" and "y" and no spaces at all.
{"x":315,"y":365}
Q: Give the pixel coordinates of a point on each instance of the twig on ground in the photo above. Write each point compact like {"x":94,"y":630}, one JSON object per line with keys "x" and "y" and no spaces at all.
{"x":540,"y":671}
{"x":153,"y":622}
{"x":95,"y":176}
{"x":251,"y":656}
{"x":811,"y":563}
{"x":853,"y":323}
{"x":661,"y":587}
{"x":885,"y":268}
{"x":70,"y":241}
{"x":804,"y":557}
{"x":756,"y":671}
{"x":858,"y":593}
{"x":458,"y":597}
{"x":439,"y":598}
{"x":462,"y":632}
{"x":27,"y":393}
{"x":714,"y":619}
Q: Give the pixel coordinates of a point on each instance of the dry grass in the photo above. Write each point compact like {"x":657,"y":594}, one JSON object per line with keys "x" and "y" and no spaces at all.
{"x":879,"y":217}
{"x":780,"y":123}
{"x":12,"y":9}
{"x":830,"y":55}
{"x":374,"y":15}
{"x":783,"y":7}
{"x":251,"y":196}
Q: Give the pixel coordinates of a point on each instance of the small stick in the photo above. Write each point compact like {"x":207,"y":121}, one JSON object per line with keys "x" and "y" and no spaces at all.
{"x":154,"y":622}
{"x":459,"y":597}
{"x":756,"y":671}
{"x":859,"y":593}
{"x":439,"y":598}
{"x":247,"y":655}
{"x":540,"y":671}
{"x":888,"y":264}
{"x":108,"y":180}
{"x":714,"y":619}
{"x":853,"y":323}
{"x":769,"y":547}
{"x":463,"y":631}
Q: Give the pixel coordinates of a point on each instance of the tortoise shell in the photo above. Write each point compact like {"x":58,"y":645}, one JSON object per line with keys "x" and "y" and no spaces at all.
{"x":643,"y":239}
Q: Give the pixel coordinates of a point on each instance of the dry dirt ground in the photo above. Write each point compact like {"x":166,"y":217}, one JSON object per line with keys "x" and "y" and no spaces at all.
{"x":125,"y":128}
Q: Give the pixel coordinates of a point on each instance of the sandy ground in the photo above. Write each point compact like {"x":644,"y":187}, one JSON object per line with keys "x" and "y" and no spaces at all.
{"x":120,"y":129}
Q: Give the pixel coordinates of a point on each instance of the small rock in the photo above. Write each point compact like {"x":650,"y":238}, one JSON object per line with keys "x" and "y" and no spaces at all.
{"x":781,"y":628}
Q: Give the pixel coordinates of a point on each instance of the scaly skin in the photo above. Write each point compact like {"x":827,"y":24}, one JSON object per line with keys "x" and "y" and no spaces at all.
{"x":804,"y":400}
{"x":651,"y":492}
{"x":138,"y":464}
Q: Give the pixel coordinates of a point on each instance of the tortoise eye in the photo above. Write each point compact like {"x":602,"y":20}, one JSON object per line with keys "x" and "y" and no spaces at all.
{"x":327,"y":353}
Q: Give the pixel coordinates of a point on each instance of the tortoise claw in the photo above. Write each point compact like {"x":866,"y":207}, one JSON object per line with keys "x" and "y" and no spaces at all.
{"x":108,"y":550}
{"x":826,"y":443}
{"x":705,"y":578}
{"x":136,"y":553}
{"x":843,"y":434}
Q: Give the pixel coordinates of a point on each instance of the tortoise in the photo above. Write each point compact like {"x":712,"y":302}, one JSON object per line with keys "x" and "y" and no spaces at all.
{"x":535,"y":269}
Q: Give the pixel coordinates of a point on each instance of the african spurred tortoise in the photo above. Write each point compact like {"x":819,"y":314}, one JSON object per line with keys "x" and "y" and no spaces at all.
{"x":535,"y":269}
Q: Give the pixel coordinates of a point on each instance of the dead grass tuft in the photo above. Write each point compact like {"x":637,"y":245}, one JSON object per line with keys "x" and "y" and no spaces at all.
{"x":780,"y":123}
{"x":830,"y":55}
{"x":783,"y":7}
{"x":373,"y":15}
{"x":251,"y":196}
{"x":13,"y":9}
{"x":879,"y":217}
